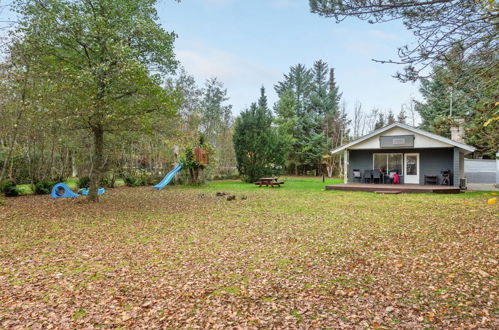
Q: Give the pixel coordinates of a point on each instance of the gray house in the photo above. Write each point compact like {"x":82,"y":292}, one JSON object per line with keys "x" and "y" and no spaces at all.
{"x":417,"y":156}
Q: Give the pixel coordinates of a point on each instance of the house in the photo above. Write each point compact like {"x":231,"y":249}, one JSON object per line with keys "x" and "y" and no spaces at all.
{"x":417,"y":156}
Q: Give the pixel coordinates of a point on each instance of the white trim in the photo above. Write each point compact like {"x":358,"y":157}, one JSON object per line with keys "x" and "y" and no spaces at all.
{"x":418,"y":169}
{"x":409,"y":128}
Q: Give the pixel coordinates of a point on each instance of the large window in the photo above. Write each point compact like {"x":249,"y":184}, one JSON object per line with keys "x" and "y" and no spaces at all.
{"x":388,"y":162}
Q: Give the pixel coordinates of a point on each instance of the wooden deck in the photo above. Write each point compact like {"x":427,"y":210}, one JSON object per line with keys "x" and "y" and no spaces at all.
{"x":403,"y":188}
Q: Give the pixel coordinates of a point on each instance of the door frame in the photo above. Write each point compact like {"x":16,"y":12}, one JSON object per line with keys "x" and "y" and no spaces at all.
{"x":413,"y":179}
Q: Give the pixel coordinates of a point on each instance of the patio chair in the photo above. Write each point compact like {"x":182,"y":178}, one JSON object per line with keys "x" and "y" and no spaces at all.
{"x":357,"y":175}
{"x":367,"y":176}
{"x":391,"y":175}
{"x":376,"y":176}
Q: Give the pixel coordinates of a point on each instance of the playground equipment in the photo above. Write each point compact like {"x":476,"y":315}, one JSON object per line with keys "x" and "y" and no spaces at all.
{"x":85,"y":191}
{"x":166,"y":180}
{"x":61,"y":190}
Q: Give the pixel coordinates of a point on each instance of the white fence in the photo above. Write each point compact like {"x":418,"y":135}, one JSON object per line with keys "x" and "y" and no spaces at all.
{"x":481,"y":170}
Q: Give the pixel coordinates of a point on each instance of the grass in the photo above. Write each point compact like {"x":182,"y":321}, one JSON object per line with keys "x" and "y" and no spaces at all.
{"x":295,"y":256}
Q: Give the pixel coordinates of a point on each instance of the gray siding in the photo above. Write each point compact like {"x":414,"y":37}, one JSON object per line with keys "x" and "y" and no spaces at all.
{"x":480,"y":170}
{"x":431,"y":161}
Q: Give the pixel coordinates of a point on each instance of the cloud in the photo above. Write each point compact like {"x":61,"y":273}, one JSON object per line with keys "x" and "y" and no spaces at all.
{"x":241,"y":76}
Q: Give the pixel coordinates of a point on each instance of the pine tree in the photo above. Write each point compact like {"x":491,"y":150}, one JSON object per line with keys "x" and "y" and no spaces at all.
{"x":391,"y":118}
{"x":260,"y":149}
{"x":402,"y":117}
{"x":380,"y":122}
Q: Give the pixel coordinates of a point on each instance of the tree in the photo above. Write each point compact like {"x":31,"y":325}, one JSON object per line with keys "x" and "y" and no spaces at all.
{"x":260,"y":148}
{"x":438,"y":25}
{"x":380,"y":121}
{"x":402,"y":117}
{"x":100,"y":56}
{"x":450,"y":94}
{"x":217,"y":122}
{"x":391,"y":118}
{"x":299,"y":81}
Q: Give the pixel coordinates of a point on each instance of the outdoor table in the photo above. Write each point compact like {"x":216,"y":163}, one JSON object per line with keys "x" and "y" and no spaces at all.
{"x":269,"y":182}
{"x":268,"y":179}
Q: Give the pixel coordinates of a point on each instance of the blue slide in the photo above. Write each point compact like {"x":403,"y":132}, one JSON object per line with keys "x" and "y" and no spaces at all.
{"x":166,"y":180}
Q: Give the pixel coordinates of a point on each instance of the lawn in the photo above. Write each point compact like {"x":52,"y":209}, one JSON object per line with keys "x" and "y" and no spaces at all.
{"x":295,"y":256}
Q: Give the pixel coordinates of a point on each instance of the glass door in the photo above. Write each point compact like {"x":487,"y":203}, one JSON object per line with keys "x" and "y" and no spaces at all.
{"x":411,"y":168}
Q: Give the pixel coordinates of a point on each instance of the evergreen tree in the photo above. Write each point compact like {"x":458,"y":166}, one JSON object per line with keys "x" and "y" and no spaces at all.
{"x":402,"y":117}
{"x":260,"y":148}
{"x":299,"y":81}
{"x":391,"y":118}
{"x":380,"y":122}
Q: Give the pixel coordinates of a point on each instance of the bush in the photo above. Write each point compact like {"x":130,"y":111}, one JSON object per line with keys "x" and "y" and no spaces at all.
{"x":107,"y":181}
{"x":44,"y":187}
{"x":132,"y":180}
{"x":8,"y":188}
{"x":2,"y":202}
{"x":84,"y":182}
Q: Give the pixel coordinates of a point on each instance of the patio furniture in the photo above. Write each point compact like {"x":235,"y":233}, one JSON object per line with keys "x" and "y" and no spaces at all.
{"x":430,"y":179}
{"x":376,"y":176}
{"x":269,"y":182}
{"x":391,"y":174}
{"x":445,"y":177}
{"x":357,"y":175}
{"x":367,"y":176}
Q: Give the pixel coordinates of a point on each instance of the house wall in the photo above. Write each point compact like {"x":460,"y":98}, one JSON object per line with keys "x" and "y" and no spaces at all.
{"x":420,"y":141}
{"x":431,"y":162}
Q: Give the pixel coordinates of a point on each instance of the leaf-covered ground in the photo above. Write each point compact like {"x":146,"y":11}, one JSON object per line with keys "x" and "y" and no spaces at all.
{"x":296,"y":256}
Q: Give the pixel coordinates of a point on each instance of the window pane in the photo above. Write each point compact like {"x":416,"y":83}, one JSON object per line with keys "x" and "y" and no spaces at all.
{"x":411,"y":166}
{"x":380,"y":161}
{"x":395,"y":163}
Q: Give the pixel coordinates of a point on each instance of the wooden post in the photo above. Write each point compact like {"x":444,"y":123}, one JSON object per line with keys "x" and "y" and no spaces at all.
{"x":345,"y":166}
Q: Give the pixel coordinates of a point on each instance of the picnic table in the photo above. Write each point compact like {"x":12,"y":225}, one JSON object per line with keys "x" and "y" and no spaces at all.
{"x":273,"y":181}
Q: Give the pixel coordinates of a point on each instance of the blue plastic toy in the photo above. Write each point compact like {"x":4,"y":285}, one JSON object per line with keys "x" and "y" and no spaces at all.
{"x":61,"y":190}
{"x":85,"y":191}
{"x":166,"y":180}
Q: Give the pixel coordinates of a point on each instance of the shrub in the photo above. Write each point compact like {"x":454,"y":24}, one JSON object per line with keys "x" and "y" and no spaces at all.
{"x":132,"y":180}
{"x":44,"y":187}
{"x":107,"y":181}
{"x":8,"y":188}
{"x":84,"y":182}
{"x":2,"y":202}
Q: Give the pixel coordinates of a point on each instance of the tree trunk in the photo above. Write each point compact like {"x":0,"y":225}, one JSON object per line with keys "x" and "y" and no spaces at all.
{"x":329,"y":171}
{"x":95,"y":178}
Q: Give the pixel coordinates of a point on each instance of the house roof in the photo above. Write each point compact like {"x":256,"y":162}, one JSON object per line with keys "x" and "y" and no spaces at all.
{"x":409,"y":128}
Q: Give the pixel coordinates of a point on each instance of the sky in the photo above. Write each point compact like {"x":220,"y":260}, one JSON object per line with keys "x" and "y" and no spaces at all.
{"x":247,"y":44}
{"x":251,"y":43}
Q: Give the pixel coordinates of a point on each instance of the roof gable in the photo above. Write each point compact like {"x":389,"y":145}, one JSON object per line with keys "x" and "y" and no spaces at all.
{"x":424,"y":138}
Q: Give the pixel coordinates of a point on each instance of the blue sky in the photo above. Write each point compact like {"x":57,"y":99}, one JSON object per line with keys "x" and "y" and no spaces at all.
{"x":247,"y":44}
{"x":250,"y":43}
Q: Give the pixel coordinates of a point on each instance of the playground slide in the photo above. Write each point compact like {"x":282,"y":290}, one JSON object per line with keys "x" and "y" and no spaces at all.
{"x":166,"y":180}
